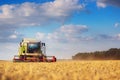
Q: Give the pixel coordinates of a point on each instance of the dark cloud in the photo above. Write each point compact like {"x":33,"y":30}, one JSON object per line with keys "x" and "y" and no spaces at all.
{"x":104,"y":36}
{"x":108,"y":2}
{"x":108,"y":37}
{"x":113,"y":2}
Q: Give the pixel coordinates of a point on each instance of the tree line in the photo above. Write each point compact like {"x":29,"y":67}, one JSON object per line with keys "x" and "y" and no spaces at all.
{"x":111,"y":54}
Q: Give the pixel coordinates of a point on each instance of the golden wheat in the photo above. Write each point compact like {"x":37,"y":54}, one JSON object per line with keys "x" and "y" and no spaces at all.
{"x":62,"y":70}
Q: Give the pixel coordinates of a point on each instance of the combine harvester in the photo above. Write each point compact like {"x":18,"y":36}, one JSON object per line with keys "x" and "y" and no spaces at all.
{"x":31,"y":50}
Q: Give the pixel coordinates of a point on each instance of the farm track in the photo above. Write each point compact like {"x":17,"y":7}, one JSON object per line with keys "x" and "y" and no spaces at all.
{"x":61,"y":70}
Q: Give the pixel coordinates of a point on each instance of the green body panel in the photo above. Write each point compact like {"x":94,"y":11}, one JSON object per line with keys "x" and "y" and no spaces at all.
{"x":22,"y":50}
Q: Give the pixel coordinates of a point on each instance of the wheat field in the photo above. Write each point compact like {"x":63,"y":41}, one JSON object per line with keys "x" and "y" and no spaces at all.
{"x":61,"y":70}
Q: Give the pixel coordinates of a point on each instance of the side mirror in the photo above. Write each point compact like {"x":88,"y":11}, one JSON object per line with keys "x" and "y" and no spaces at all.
{"x":20,"y":44}
{"x":43,"y":44}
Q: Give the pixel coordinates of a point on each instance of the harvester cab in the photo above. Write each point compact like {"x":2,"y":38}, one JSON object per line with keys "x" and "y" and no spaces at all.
{"x":31,"y":50}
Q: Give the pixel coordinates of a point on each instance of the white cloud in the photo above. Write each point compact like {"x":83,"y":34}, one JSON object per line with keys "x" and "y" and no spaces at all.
{"x":13,"y":36}
{"x":40,"y":36}
{"x":69,"y":33}
{"x":61,"y":8}
{"x":6,"y":11}
{"x":117,"y":36}
{"x":117,"y":24}
{"x":100,"y":4}
{"x":29,"y":14}
{"x":76,"y":33}
{"x":73,"y":29}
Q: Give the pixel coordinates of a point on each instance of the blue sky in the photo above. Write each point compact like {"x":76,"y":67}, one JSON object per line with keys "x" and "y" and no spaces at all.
{"x":2,"y":2}
{"x":66,"y":26}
